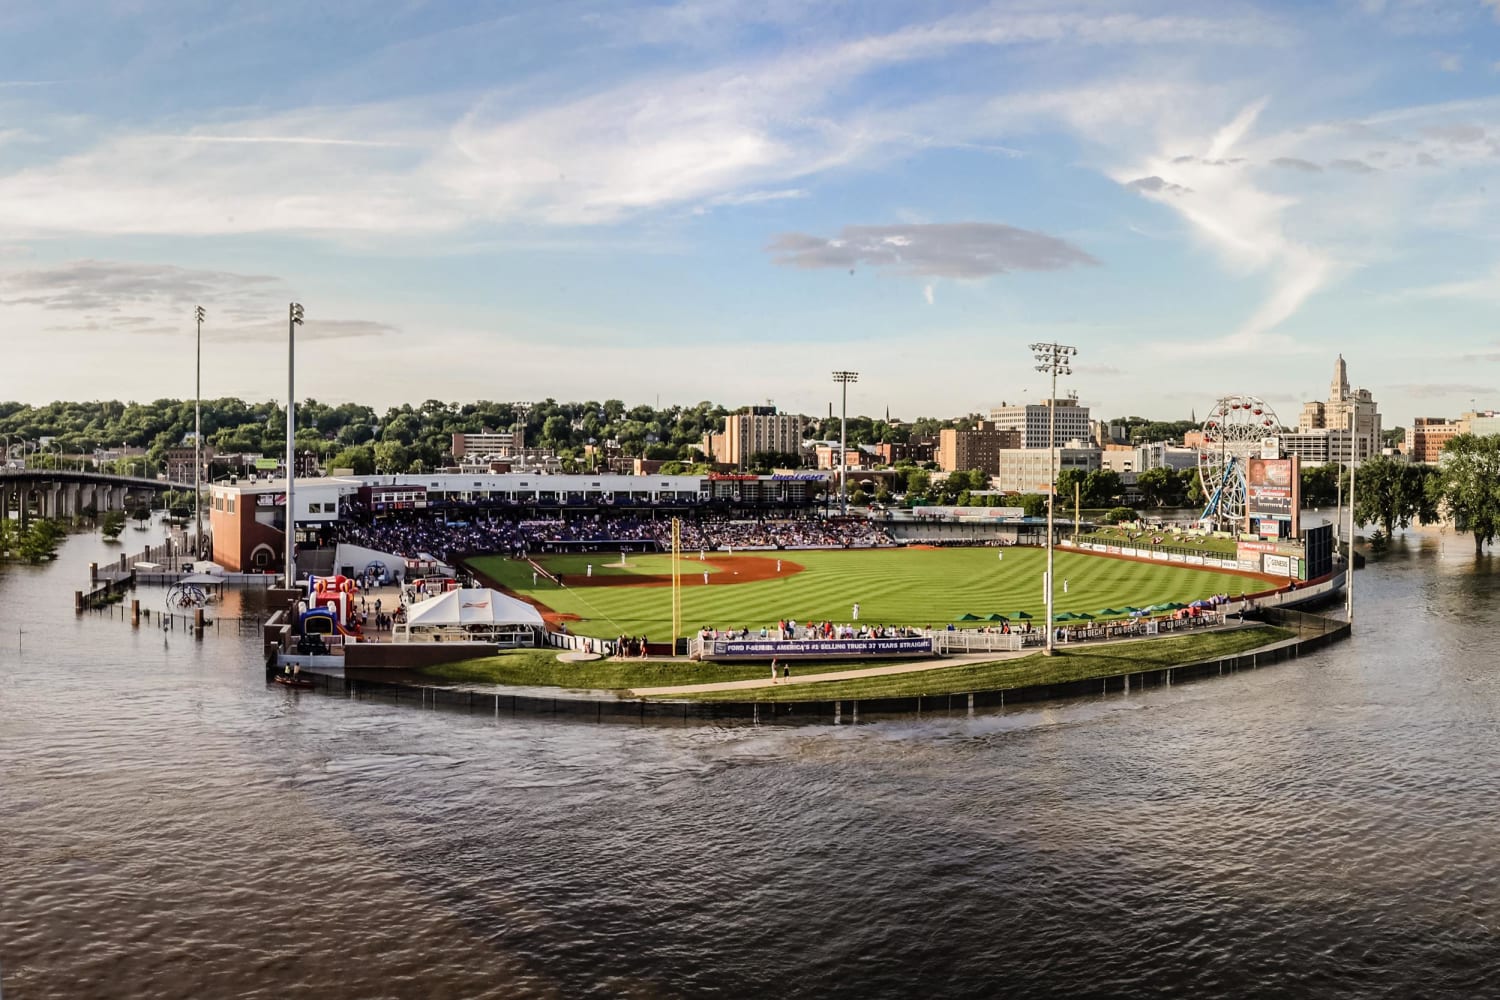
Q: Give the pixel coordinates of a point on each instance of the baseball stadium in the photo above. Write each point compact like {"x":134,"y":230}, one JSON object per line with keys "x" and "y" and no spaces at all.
{"x":694,"y":580}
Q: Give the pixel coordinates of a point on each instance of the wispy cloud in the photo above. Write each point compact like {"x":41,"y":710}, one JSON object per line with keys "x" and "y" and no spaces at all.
{"x":653,"y":141}
{"x":1441,"y":390}
{"x":945,"y":249}
{"x":131,"y":297}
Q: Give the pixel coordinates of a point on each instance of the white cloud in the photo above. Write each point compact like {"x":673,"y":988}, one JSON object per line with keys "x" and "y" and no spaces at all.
{"x":650,"y":142}
{"x":927,"y":293}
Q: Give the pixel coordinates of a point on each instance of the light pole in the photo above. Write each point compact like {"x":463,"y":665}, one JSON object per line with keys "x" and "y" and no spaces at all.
{"x":1053,"y":359}
{"x":293,"y":320}
{"x":843,"y":378}
{"x":1349,"y":575}
{"x":198,"y":438}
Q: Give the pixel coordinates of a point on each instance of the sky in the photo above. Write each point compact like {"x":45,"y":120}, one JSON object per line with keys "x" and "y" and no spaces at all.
{"x":724,"y":200}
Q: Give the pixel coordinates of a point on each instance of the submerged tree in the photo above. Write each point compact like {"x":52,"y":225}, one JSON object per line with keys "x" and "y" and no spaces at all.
{"x":1466,"y":486}
{"x":1393,"y":494}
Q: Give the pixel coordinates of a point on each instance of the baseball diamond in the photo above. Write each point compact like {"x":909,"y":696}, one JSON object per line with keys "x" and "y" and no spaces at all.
{"x":908,"y":586}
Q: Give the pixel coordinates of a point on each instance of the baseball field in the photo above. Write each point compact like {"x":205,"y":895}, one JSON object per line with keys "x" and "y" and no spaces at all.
{"x":599,"y":596}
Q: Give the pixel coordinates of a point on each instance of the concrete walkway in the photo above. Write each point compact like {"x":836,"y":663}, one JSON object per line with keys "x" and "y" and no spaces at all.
{"x":915,"y":666}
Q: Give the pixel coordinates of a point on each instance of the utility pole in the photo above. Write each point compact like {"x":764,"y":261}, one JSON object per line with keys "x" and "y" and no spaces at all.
{"x":198,"y":439}
{"x":844,"y":378}
{"x":293,"y":320}
{"x":1053,"y":359}
{"x":1349,"y":576}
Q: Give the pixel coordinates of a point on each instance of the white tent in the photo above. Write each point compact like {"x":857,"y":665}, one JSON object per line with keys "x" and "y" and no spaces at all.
{"x":479,"y":613}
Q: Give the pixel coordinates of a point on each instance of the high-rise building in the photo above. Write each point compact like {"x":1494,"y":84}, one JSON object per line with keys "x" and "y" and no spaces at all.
{"x":1032,"y":420}
{"x":1427,"y":436}
{"x":978,"y":447}
{"x":1346,"y":409}
{"x":758,"y":430}
{"x":1028,"y":470}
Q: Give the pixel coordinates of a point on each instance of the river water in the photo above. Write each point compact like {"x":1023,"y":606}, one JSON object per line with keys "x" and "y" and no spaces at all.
{"x":172,"y":827}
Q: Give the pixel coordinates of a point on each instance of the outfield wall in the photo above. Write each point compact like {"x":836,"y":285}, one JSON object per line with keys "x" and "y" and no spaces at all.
{"x":1314,"y":633}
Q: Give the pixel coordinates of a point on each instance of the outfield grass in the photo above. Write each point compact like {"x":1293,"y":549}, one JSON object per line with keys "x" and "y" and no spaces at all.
{"x":893,"y":586}
{"x":1109,"y":660}
{"x":542,"y":668}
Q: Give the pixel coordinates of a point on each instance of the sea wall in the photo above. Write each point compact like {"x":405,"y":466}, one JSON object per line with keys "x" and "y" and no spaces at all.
{"x":1314,"y":633}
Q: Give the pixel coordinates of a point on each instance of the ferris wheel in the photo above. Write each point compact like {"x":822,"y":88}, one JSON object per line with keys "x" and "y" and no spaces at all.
{"x":1231,"y":435}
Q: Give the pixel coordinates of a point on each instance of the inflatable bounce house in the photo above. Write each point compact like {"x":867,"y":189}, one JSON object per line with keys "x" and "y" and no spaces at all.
{"x":330,"y":603}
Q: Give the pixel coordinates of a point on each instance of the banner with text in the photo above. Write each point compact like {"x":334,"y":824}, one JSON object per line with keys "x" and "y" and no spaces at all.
{"x":794,"y":649}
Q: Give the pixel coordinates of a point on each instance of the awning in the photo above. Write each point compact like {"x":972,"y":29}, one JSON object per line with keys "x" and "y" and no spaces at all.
{"x":477,"y":606}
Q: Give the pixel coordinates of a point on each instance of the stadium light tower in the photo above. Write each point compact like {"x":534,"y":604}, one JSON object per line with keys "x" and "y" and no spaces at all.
{"x":844,"y":378}
{"x":198,"y":438}
{"x":1053,"y":359}
{"x":293,"y":320}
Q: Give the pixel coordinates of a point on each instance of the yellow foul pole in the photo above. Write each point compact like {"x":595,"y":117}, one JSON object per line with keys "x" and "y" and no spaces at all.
{"x":676,"y":581}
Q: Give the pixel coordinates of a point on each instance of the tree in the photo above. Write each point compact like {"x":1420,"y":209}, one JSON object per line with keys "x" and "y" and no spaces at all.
{"x":1320,"y":485}
{"x":392,"y":456}
{"x":113,"y":524}
{"x":1467,"y":486}
{"x":360,"y":458}
{"x":1032,"y":504}
{"x":1067,"y":481}
{"x":1117,"y":514}
{"x":1102,"y":486}
{"x":1391,"y":494}
{"x":1159,"y":486}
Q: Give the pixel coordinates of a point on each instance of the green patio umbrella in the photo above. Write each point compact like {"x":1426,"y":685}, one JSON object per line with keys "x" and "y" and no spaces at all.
{"x":1021,"y":616}
{"x":998,"y":618}
{"x":1064,"y":616}
{"x":966,"y":617}
{"x":1109,"y":613}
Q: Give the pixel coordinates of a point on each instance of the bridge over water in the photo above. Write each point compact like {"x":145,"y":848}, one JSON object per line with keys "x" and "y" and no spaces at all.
{"x":67,"y":492}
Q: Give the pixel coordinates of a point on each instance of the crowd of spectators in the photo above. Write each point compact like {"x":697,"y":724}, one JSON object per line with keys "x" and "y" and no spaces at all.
{"x":412,"y":536}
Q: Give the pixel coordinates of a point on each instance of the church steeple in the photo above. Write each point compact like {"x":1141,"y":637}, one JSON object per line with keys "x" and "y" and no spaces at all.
{"x":1338,"y":389}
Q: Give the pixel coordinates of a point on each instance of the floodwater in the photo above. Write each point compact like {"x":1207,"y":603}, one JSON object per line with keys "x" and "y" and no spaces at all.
{"x":172,"y":827}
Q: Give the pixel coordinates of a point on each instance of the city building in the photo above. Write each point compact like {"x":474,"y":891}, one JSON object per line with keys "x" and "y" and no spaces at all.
{"x":179,"y":462}
{"x":1317,"y":447}
{"x":1345,"y":410}
{"x":826,"y":454}
{"x":1482,"y":423}
{"x":758,"y":430}
{"x":1427,"y":436}
{"x":1026,"y":470}
{"x":1131,"y":459}
{"x":1032,"y":420}
{"x":974,"y":448}
{"x":481,"y":447}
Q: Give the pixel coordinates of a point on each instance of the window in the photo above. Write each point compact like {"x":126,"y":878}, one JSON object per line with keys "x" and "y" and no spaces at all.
{"x":229,"y":505}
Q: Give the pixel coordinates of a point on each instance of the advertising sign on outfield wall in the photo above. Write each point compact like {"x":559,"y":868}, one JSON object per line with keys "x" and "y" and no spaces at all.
{"x":791,"y":650}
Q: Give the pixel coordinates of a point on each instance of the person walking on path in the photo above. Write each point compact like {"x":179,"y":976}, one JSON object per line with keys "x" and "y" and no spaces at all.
{"x":786,"y":671}
{"x":773,"y":670}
